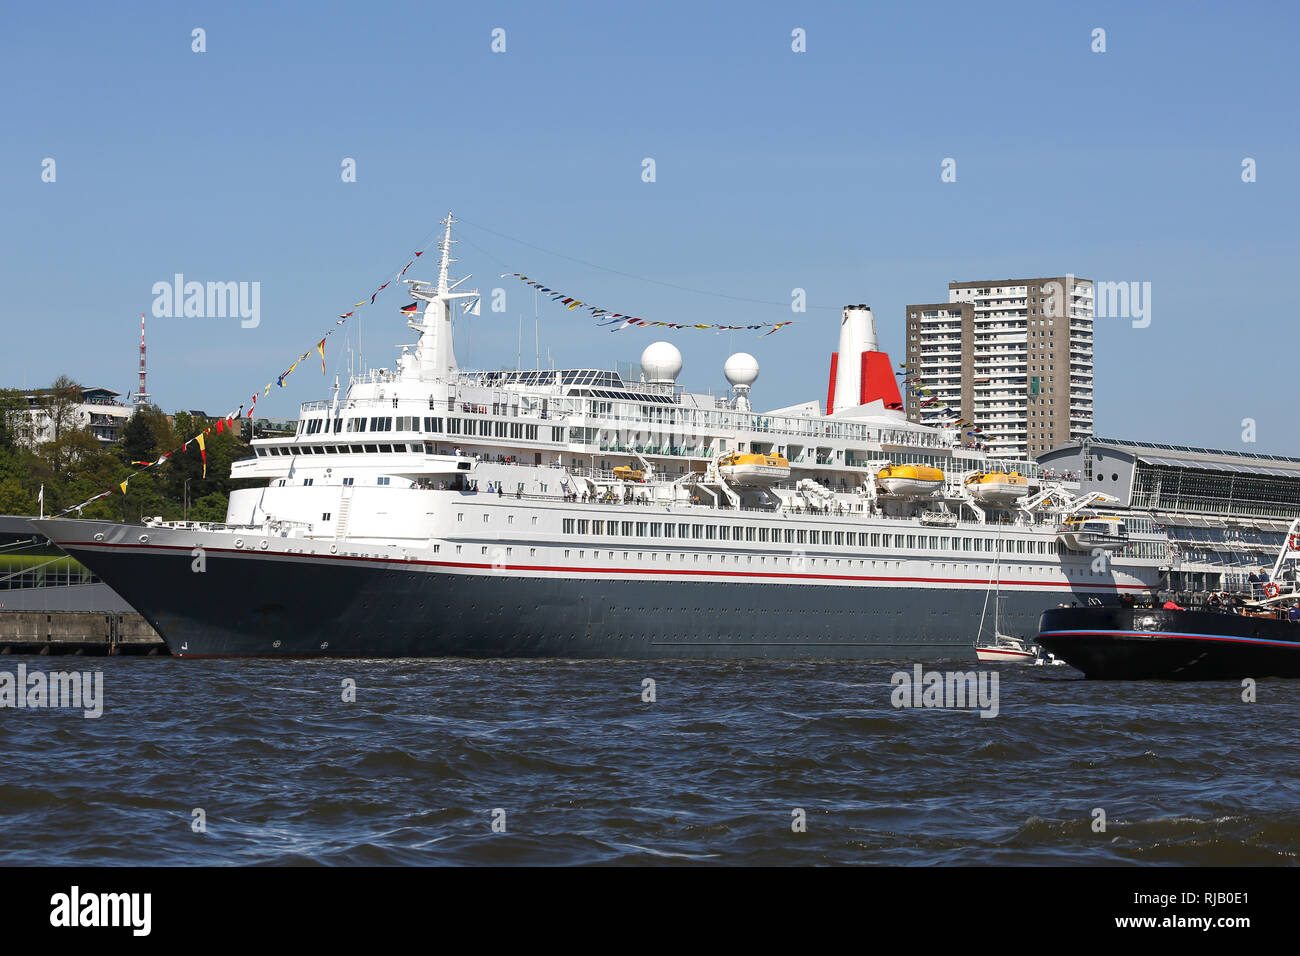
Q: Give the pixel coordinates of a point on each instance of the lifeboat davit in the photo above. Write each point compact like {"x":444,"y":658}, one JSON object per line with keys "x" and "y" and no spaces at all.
{"x":998,"y":487}
{"x":754,"y":469}
{"x":910,"y":481}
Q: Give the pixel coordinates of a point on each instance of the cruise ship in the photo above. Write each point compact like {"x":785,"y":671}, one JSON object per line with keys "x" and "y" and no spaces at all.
{"x":430,"y":511}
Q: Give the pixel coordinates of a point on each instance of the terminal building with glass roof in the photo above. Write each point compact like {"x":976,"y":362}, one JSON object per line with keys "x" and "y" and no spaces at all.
{"x":1226,"y":512}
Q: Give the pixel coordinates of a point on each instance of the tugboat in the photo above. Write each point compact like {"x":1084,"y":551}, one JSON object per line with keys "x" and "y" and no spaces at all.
{"x":1174,"y":643}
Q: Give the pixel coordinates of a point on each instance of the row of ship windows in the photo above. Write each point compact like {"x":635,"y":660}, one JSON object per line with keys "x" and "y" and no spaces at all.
{"x":798,"y":561}
{"x":795,"y":562}
{"x":402,"y":447}
{"x":762,"y":535}
{"x":852,"y":539}
{"x":497,"y":553}
{"x":432,"y":425}
{"x":307,"y":482}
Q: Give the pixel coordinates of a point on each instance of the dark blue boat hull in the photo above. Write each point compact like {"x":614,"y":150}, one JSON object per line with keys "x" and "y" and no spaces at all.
{"x":1118,"y":643}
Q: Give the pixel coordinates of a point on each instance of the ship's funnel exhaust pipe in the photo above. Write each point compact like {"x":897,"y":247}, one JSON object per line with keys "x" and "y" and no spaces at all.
{"x":860,"y":372}
{"x":857,"y":335}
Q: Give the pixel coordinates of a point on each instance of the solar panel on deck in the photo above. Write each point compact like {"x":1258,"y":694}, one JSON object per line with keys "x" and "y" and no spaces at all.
{"x":1191,"y":450}
{"x":1209,"y":464}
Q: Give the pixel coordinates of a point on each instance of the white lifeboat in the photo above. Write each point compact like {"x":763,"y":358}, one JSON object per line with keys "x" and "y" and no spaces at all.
{"x":1086,"y":532}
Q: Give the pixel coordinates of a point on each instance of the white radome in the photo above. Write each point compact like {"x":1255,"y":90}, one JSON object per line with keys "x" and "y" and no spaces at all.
{"x":741,"y":369}
{"x":661,"y":363}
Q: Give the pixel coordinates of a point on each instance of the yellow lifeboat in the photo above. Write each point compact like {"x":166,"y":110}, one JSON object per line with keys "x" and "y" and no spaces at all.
{"x":997,"y":487}
{"x":628,"y":473}
{"x":754,"y":469}
{"x":910,"y":481}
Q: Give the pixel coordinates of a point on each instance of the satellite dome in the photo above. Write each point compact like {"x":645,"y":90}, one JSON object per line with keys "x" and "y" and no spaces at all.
{"x":741,"y":369}
{"x":661,"y":363}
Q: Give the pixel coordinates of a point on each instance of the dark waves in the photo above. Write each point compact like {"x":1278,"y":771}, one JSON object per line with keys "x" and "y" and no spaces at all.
{"x":573,"y":766}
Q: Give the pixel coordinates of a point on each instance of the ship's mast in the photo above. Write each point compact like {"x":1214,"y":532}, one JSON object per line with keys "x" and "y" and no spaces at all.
{"x":445,"y":245}
{"x":435,"y":361}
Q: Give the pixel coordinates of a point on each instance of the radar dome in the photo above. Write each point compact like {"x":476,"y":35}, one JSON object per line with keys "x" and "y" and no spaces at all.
{"x":661,"y":363}
{"x":741,"y":369}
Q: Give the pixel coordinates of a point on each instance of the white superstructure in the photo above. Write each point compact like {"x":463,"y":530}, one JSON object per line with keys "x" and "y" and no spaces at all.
{"x":531,"y":457}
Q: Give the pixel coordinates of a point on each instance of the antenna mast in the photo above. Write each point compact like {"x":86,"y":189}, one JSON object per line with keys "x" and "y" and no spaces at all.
{"x":445,"y":245}
{"x":142,"y":393}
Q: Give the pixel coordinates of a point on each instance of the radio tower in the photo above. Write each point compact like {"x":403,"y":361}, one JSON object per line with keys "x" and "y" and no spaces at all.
{"x":141,"y":399}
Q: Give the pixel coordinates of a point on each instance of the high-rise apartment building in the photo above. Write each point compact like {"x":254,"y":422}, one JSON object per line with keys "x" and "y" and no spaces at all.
{"x":1010,"y":357}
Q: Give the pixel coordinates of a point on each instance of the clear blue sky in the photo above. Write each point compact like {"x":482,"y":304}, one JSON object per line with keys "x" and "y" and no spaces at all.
{"x":775,"y":170}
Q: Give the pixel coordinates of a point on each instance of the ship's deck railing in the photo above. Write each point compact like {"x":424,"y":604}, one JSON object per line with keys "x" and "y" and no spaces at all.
{"x":435,"y":406}
{"x":514,"y":403}
{"x":274,"y":526}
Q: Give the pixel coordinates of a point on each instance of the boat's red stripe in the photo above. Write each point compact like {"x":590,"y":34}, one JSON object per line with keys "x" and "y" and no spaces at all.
{"x":1178,"y":635}
{"x":1054,"y":585}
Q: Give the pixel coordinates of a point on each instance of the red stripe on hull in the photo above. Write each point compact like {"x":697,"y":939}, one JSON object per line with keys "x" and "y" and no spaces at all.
{"x":1057,"y":585}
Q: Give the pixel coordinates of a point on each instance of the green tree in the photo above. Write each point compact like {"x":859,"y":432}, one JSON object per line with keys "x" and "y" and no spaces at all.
{"x":76,"y":466}
{"x":60,"y":407}
{"x":146,"y":435}
{"x":16,"y":499}
{"x":137,"y":442}
{"x":14,"y":420}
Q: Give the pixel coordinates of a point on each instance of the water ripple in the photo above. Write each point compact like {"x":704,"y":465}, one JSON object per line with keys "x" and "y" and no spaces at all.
{"x":562,"y":762}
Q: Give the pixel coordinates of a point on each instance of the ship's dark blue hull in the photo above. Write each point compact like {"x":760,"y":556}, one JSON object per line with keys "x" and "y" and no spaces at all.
{"x":297,"y":605}
{"x":1117,"y":643}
